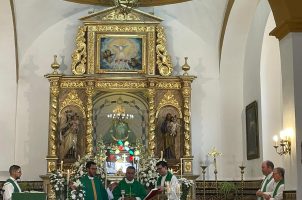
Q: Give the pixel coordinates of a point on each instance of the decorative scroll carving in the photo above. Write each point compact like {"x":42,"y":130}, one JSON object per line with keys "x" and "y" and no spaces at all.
{"x":168,"y":85}
{"x":79,"y":54}
{"x":151,"y":51}
{"x":91,"y":38}
{"x":73,"y":99}
{"x":186,"y":92}
{"x":89,"y":136}
{"x":169,"y":100}
{"x":121,"y":28}
{"x":73,"y":84}
{"x":115,"y":15}
{"x":121,"y":84}
{"x":151,"y":138}
{"x":163,"y":60}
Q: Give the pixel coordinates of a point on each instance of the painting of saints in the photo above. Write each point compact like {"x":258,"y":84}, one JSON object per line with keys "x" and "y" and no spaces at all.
{"x":121,"y":54}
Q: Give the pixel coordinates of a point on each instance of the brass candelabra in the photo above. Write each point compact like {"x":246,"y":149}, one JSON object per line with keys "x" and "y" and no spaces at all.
{"x":242,"y":182}
{"x":204,"y":167}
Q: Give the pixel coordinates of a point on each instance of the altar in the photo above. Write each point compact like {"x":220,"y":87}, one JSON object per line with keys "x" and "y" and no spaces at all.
{"x":122,"y":93}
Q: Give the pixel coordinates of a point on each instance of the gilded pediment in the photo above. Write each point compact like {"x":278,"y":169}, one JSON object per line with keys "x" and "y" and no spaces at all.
{"x":114,"y":15}
{"x":142,"y":3}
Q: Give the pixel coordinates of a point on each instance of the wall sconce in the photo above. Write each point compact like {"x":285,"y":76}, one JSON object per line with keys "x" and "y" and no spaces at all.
{"x":284,"y":146}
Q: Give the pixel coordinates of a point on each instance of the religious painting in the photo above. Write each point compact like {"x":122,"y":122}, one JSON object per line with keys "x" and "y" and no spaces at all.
{"x":120,"y":54}
{"x":252,"y":133}
{"x":168,"y":133}
{"x":71,"y":138}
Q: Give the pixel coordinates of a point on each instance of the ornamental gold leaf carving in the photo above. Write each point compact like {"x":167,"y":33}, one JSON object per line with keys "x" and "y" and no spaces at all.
{"x":168,"y":85}
{"x":163,"y":60}
{"x":73,"y":99}
{"x":73,"y":84}
{"x":79,"y":55}
{"x":116,"y":15}
{"x":121,"y":84}
{"x":169,"y":100}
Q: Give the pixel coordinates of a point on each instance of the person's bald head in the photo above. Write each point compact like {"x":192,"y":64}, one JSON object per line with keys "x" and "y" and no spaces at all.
{"x":267,"y":167}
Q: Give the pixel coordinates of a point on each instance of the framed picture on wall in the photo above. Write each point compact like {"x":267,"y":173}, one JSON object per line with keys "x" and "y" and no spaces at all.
{"x":252,"y":131}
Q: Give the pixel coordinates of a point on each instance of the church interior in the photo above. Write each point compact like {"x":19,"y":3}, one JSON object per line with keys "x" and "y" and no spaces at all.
{"x":210,"y":86}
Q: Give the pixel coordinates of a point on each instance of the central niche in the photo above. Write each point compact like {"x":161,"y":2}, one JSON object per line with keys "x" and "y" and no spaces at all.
{"x":120,"y":117}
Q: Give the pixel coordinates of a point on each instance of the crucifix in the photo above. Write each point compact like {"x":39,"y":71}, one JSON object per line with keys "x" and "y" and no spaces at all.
{"x":124,"y":156}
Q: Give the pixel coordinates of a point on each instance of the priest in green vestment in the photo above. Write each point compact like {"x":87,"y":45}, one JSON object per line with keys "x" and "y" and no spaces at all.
{"x":165,"y":175}
{"x":92,"y":185}
{"x":167,"y":179}
{"x":277,"y":187}
{"x":131,"y":189}
{"x":11,"y":186}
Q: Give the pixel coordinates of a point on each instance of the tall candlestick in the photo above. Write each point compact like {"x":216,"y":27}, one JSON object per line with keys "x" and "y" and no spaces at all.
{"x":68,"y":176}
{"x":61,"y":165}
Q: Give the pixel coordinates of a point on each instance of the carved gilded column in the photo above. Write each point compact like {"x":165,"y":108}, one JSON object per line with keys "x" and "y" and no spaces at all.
{"x":151,"y":138}
{"x":89,"y":106}
{"x":186,"y":93}
{"x":53,"y":122}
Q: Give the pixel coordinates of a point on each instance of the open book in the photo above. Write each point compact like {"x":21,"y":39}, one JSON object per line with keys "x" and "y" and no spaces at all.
{"x":152,"y":193}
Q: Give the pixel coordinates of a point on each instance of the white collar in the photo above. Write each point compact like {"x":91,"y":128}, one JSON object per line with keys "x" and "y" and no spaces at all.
{"x":13,"y":179}
{"x":128,"y":182}
{"x":91,"y":178}
{"x":270,"y":175}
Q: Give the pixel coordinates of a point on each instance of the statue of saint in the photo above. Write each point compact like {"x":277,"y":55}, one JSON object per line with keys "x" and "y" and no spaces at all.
{"x":169,"y":131}
{"x":119,"y":130}
{"x":69,"y":135}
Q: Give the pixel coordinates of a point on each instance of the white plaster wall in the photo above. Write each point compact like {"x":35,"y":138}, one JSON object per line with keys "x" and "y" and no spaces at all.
{"x":271,"y":92}
{"x":290,"y":48}
{"x":196,"y":35}
{"x":251,"y":80}
{"x":8,"y":89}
{"x":231,"y":85}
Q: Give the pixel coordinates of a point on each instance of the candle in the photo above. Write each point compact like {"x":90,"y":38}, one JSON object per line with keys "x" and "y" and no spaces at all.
{"x":68,"y":176}
{"x":161,"y":155}
{"x":275,"y":138}
{"x":79,"y":157}
{"x":61,"y":165}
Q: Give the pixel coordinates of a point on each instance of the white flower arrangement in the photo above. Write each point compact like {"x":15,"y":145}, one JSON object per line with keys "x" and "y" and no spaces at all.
{"x":77,"y":193}
{"x":148,"y":174}
{"x":58,"y":182}
{"x":185,"y":182}
{"x":185,"y":187}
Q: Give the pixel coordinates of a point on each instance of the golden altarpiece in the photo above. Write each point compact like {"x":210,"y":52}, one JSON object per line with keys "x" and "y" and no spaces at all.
{"x":120,"y":66}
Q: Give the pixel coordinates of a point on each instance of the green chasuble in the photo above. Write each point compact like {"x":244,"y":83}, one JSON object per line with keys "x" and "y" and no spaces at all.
{"x":135,"y":189}
{"x":168,"y":178}
{"x":87,"y":186}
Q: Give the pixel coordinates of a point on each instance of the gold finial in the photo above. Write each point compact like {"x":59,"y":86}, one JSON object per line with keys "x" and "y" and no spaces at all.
{"x":55,"y":65}
{"x":186,"y":67}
